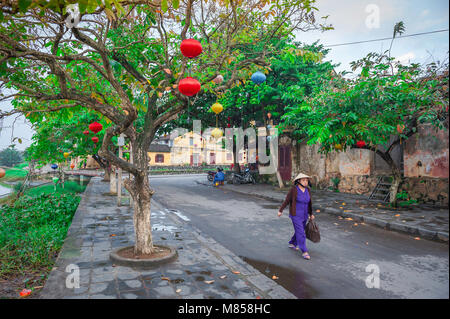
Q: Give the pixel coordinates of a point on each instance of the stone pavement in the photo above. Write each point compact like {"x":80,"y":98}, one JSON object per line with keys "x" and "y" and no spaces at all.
{"x":203,"y":269}
{"x":421,"y":221}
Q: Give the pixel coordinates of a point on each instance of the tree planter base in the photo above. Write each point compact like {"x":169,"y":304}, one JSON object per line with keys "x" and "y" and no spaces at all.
{"x":123,"y":257}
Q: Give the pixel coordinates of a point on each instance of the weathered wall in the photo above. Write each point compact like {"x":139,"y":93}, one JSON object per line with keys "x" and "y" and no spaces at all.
{"x":426,"y":154}
{"x":427,"y":190}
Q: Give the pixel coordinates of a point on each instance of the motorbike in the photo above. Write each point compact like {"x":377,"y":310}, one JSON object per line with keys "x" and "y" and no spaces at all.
{"x":211,"y":175}
{"x":243,"y":178}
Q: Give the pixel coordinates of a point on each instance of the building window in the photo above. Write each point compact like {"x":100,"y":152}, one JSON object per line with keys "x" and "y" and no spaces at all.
{"x":159,"y":158}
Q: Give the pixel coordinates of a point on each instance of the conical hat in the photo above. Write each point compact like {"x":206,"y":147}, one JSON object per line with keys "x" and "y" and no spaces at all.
{"x":301,"y":175}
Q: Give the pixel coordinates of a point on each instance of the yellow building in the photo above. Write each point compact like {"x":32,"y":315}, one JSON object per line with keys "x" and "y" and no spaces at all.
{"x":159,"y":155}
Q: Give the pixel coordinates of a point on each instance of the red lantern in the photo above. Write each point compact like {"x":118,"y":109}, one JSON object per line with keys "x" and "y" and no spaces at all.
{"x":95,"y":139}
{"x":95,"y":127}
{"x":189,"y":86}
{"x":190,"y":48}
{"x":360,"y":144}
{"x":86,"y":132}
{"x":228,"y":125}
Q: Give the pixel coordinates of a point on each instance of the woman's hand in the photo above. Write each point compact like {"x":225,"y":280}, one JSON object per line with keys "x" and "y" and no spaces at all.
{"x":279,"y":214}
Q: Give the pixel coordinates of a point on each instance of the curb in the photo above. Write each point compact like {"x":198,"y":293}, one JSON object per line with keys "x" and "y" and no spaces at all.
{"x":437,"y":236}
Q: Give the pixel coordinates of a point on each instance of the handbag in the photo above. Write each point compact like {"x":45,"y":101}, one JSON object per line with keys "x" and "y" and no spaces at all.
{"x":312,"y":231}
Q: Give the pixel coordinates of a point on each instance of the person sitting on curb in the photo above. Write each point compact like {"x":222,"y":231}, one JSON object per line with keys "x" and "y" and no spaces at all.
{"x":219,"y":177}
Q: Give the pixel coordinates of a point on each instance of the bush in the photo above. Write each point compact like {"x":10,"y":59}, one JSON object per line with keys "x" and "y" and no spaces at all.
{"x":32,"y":231}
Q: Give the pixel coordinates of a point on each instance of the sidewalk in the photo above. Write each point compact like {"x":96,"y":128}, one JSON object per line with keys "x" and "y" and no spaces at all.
{"x":203,"y":269}
{"x":425,"y":222}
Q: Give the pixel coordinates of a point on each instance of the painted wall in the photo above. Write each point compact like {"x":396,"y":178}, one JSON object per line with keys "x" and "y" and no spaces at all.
{"x":426,"y":154}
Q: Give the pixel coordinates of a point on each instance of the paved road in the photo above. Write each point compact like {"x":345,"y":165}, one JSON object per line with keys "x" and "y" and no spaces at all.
{"x":249,"y":227}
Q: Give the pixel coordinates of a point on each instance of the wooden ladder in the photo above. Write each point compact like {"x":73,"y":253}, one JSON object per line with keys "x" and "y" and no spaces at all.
{"x":381,"y":190}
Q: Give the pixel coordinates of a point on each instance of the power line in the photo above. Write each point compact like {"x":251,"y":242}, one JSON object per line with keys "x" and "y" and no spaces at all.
{"x":383,"y":39}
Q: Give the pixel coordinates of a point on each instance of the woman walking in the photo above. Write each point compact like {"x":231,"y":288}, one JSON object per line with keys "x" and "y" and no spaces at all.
{"x":300,"y":208}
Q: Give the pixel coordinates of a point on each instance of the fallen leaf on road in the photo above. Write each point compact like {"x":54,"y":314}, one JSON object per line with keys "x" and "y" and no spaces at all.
{"x":341,"y":207}
{"x":367,"y":243}
{"x":236,"y":272}
{"x":223,"y":277}
{"x":340,"y":217}
{"x":336,"y":224}
{"x":274,"y":277}
{"x":349,"y":218}
{"x":317,"y":210}
{"x":347,"y":211}
{"x":343,"y":204}
{"x":25,"y":292}
{"x":38,"y":287}
{"x":362,"y":223}
{"x":178,"y":291}
{"x":165,"y":278}
{"x":417,"y":238}
{"x":355,"y":224}
{"x":209,"y":282}
{"x":112,"y":235}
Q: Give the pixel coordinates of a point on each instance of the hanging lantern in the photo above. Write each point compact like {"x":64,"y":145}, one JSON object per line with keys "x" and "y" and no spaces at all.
{"x":217,"y":133}
{"x":191,"y":48}
{"x":269,"y":115}
{"x":360,"y":144}
{"x":86,"y":132}
{"x":55,"y":180}
{"x":72,"y":166}
{"x":66,"y":155}
{"x":400,"y":128}
{"x":189,"y":86}
{"x":95,"y":127}
{"x":218,"y":79}
{"x":228,"y":125}
{"x":338,"y":147}
{"x":54,"y":166}
{"x":95,"y":139}
{"x":217,"y":108}
{"x":258,"y":78}
{"x":269,"y":126}
{"x":2,"y":173}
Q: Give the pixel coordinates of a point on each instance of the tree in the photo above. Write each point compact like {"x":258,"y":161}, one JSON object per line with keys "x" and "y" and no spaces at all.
{"x":373,"y":107}
{"x":131,"y":50}
{"x":10,"y":156}
{"x":294,"y":72}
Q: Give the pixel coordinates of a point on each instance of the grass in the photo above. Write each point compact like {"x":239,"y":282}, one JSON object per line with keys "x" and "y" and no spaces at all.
{"x":14,"y":174}
{"x":70,"y":187}
{"x":32,"y":232}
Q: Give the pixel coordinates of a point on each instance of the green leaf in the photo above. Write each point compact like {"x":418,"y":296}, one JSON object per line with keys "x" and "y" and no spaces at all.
{"x":164,"y":6}
{"x":24,"y":4}
{"x":176,"y":4}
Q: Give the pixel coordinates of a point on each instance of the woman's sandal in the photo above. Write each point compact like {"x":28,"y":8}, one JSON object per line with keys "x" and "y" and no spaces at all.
{"x":293,"y":247}
{"x":306,"y":256}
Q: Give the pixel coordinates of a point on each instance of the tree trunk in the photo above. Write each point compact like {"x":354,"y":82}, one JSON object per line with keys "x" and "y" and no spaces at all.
{"x":112,"y":182}
{"x":107,"y":176}
{"x":396,"y":175}
{"x":140,"y":190}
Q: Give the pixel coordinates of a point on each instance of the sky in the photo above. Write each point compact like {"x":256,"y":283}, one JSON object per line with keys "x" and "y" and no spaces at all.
{"x":353,"y":20}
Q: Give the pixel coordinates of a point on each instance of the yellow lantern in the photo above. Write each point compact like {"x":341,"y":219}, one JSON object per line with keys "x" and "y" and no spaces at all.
{"x":217,"y":108}
{"x":338,"y":146}
{"x":66,"y":155}
{"x":217,"y":133}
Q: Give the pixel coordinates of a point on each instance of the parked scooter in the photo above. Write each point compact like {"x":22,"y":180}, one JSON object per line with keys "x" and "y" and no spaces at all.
{"x":211,"y":175}
{"x":243,"y":178}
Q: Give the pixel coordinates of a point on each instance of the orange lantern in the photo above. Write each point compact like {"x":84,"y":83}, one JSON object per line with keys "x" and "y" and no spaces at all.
{"x":2,"y":173}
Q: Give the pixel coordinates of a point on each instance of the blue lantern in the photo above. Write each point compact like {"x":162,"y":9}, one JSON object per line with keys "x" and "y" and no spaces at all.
{"x":258,"y":78}
{"x":54,"y":166}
